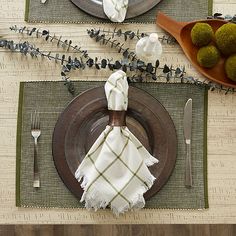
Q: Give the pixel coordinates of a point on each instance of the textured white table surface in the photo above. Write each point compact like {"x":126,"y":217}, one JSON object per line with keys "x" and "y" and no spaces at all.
{"x":15,"y":68}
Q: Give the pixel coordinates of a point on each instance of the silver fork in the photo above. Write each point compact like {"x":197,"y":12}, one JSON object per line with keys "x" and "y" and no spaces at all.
{"x":35,"y":131}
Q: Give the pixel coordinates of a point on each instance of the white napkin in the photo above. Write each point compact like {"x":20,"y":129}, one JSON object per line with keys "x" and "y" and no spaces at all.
{"x":115,"y":169}
{"x":115,"y":9}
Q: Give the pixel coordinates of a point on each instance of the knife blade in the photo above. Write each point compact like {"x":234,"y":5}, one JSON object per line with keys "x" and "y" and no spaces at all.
{"x":188,"y":110}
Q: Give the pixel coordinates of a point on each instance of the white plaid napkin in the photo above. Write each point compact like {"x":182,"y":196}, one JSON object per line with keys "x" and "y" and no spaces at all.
{"x":115,"y":169}
{"x":115,"y":9}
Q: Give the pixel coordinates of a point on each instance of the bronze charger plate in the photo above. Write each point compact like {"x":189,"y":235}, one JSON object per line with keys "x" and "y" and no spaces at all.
{"x":136,"y":7}
{"x":84,"y":119}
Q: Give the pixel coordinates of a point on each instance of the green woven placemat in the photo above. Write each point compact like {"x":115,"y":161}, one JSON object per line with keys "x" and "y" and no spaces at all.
{"x":64,"y":11}
{"x":51,"y":98}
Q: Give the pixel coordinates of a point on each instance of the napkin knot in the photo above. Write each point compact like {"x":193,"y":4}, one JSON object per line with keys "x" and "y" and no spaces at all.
{"x":116,"y":89}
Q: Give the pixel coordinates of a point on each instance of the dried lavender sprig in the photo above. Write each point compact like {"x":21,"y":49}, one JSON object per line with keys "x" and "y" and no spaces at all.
{"x":75,"y":63}
{"x":68,"y":63}
{"x":68,"y":44}
{"x":26,"y":48}
{"x":101,"y":38}
{"x":220,"y":16}
{"x":65,"y":44}
{"x":128,"y":55}
{"x":129,"y":34}
{"x":168,"y":71}
{"x":189,"y":80}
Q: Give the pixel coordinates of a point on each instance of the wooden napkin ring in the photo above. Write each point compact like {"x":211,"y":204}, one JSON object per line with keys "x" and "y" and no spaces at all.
{"x":117,"y":118}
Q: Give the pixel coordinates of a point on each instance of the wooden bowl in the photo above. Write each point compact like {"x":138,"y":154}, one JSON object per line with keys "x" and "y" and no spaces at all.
{"x":181,"y":31}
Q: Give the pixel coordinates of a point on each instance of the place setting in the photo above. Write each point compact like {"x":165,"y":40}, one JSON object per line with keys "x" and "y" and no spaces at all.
{"x":137,"y":139}
{"x":103,"y":11}
{"x":68,"y":132}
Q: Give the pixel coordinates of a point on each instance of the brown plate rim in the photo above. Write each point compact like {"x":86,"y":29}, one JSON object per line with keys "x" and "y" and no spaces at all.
{"x":97,"y":10}
{"x":59,"y":157}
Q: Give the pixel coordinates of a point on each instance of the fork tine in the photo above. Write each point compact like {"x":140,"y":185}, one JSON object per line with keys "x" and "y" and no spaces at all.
{"x":38,"y":121}
{"x":31,"y":118}
{"x":35,"y":119}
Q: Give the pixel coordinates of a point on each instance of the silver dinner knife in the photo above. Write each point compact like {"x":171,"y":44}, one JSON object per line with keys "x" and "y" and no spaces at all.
{"x":187,"y":136}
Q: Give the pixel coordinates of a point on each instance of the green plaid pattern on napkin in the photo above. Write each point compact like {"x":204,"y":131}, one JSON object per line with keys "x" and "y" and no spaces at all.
{"x":115,"y":171}
{"x":117,"y":157}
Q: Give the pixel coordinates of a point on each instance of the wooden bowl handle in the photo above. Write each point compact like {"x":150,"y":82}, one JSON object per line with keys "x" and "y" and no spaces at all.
{"x":170,"y":25}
